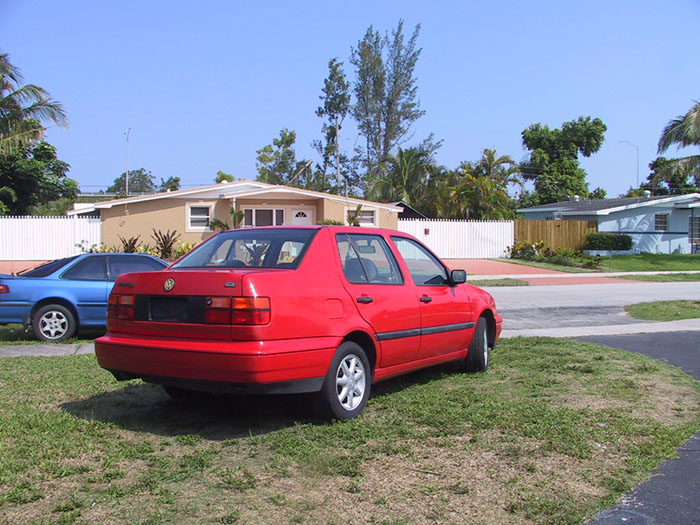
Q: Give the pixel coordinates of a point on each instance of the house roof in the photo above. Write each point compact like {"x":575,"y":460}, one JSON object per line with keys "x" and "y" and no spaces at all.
{"x":608,"y":206}
{"x":411,"y":209}
{"x":227,"y":190}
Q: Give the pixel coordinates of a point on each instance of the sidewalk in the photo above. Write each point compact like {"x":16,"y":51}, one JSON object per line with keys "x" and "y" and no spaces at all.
{"x":487,"y":269}
{"x":646,"y":327}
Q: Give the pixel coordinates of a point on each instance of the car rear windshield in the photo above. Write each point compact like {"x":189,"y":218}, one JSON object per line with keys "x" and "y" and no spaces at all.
{"x":48,"y":268}
{"x":264,"y":248}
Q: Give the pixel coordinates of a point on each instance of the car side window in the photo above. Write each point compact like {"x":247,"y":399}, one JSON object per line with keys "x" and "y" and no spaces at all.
{"x":89,"y":269}
{"x":131,"y":263}
{"x":367,"y":259}
{"x":424,"y":268}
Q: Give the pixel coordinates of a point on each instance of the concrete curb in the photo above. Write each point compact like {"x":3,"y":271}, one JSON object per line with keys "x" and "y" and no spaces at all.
{"x":648,"y":327}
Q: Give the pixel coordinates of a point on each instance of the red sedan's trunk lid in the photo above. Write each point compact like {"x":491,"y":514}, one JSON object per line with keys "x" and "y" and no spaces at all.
{"x":173,"y":302}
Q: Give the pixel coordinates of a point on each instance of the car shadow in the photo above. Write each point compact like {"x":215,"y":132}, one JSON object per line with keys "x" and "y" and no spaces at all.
{"x":143,"y":407}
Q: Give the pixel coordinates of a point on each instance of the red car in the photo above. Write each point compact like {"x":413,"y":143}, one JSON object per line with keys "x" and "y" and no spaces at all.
{"x":326,"y":309}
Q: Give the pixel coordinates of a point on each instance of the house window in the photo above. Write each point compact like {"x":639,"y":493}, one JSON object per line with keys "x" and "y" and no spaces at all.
{"x":366,"y":217}
{"x":661,"y":222}
{"x":694,"y":234}
{"x":198,"y":217}
{"x":263,"y":217}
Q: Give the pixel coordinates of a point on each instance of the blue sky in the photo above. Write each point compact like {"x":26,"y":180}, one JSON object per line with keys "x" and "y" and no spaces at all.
{"x":204,"y":85}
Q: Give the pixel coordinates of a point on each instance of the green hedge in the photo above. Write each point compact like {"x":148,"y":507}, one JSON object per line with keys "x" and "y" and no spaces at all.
{"x":608,"y":241}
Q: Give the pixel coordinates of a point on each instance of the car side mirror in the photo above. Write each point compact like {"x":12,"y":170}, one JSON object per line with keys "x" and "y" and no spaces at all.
{"x":458,"y":276}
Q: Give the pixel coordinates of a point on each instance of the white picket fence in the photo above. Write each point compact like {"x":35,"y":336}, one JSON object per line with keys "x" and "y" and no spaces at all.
{"x":462,"y":239}
{"x":45,"y":238}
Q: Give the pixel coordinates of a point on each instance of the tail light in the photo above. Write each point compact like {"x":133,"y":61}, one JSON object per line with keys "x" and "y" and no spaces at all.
{"x":121,"y":307}
{"x":4,"y":288}
{"x":250,"y":310}
{"x":237,"y":310}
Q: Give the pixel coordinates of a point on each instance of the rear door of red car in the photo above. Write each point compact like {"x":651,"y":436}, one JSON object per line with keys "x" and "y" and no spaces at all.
{"x":383,"y":297}
{"x":446,"y":311}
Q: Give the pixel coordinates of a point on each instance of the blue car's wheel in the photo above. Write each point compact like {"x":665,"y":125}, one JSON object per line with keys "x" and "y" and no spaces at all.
{"x":53,"y":322}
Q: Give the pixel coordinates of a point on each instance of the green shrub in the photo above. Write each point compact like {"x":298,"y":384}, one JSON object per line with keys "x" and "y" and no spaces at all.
{"x":608,"y":241}
{"x":525,"y":250}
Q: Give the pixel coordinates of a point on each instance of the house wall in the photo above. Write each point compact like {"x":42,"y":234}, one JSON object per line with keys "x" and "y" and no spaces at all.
{"x":336,"y":210}
{"x":141,"y":218}
{"x":288,"y":205}
{"x":538,"y":215}
{"x":639,"y":224}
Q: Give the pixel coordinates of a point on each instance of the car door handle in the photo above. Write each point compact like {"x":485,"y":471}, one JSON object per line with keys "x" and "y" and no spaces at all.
{"x":364,"y":299}
{"x":425,"y":299}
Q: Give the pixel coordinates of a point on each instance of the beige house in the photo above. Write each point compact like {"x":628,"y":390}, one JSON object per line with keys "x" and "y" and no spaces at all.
{"x":190,"y":211}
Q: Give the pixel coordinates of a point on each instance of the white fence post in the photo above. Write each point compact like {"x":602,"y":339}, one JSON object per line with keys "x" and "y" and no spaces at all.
{"x":451,"y":239}
{"x":32,"y":238}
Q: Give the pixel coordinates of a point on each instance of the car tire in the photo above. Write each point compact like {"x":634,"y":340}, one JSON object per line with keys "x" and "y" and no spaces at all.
{"x":477,"y":359}
{"x":185,"y":394}
{"x":347,"y":385}
{"x":53,"y":322}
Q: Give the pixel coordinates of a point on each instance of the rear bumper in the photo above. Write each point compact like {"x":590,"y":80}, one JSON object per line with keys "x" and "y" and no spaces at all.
{"x":294,"y":365}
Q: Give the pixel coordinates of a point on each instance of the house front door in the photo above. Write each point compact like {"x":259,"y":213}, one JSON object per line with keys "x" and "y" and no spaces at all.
{"x":302,"y":218}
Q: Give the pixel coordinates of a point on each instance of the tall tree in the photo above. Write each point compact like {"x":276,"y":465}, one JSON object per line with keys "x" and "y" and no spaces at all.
{"x":386,"y":101}
{"x":336,"y":104}
{"x":277,"y":164}
{"x":140,"y":181}
{"x":670,"y":177}
{"x":171,"y":184}
{"x":33,"y":177}
{"x":222,"y":176}
{"x":553,"y":163}
{"x":23,"y":110}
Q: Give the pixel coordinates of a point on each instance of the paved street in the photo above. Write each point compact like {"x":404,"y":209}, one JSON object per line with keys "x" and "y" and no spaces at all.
{"x":587,"y":309}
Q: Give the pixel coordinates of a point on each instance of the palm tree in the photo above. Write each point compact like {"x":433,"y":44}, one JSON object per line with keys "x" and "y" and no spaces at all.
{"x":401,"y":177}
{"x":23,"y":109}
{"x":683,"y":130}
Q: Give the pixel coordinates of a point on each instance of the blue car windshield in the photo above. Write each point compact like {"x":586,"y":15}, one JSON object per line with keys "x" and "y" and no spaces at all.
{"x":48,"y":268}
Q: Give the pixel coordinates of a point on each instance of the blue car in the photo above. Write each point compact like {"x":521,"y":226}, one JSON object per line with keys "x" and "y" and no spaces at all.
{"x":60,"y":297}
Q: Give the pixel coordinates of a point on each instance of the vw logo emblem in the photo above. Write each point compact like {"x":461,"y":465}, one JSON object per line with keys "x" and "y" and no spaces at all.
{"x":169,"y":284}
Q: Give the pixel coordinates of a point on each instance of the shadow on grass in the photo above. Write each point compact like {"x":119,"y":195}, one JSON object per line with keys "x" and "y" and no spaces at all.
{"x":143,"y":407}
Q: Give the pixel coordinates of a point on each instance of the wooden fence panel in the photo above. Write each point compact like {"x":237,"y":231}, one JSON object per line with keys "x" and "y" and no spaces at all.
{"x":555,"y":234}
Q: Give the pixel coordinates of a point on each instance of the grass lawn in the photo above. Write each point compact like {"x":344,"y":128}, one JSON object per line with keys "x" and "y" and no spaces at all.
{"x":499,"y":282}
{"x":663,"y":277}
{"x":553,"y":433}
{"x":14,"y":334}
{"x":665,"y":310}
{"x":644,"y":262}
{"x":548,"y":266}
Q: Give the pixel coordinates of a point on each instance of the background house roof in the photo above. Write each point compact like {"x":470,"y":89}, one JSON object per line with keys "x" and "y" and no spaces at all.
{"x":605,"y":206}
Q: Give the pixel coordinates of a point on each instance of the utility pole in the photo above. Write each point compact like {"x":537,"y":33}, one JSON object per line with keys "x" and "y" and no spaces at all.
{"x":126,"y":175}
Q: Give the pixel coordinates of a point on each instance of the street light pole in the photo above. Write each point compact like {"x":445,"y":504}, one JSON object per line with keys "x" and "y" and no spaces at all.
{"x":637,"y":149}
{"x":126,"y":175}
